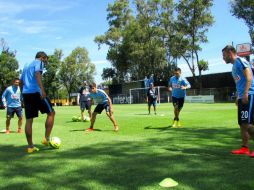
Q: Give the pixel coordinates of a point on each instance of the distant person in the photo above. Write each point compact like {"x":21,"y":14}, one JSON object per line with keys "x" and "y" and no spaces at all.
{"x":151,"y":98}
{"x":178,"y":85}
{"x":151,"y":79}
{"x":35,"y":99}
{"x":146,"y":82}
{"x":243,"y":76}
{"x":103,"y":102}
{"x":85,"y":100}
{"x":11,"y":99}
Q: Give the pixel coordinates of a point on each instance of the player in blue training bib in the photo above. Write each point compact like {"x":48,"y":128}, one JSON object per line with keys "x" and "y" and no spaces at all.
{"x":243,"y":77}
{"x":103,"y":101}
{"x":178,"y":85}
{"x":11,"y":99}
{"x":35,"y":99}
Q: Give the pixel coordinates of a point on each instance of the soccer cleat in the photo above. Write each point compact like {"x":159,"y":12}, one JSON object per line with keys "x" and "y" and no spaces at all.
{"x":31,"y":150}
{"x":179,"y":124}
{"x":251,"y":154}
{"x":89,"y":130}
{"x":242,"y":150}
{"x":45,"y":142}
{"x":19,"y":130}
{"x":174,"y":123}
{"x":7,"y":132}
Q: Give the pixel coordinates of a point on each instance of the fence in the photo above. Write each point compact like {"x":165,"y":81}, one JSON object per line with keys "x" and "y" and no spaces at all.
{"x":138,"y":95}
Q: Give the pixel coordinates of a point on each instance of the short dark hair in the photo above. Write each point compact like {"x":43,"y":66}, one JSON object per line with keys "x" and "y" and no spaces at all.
{"x":228,"y":48}
{"x":178,"y":69}
{"x":92,"y":85}
{"x":40,"y":54}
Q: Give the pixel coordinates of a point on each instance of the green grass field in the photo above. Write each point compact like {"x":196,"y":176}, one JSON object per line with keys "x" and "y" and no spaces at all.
{"x":144,"y":152}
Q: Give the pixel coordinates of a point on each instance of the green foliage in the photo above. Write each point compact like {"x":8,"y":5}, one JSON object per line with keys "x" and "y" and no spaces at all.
{"x":76,"y":68}
{"x":203,"y":65}
{"x":9,"y":68}
{"x":108,"y":73}
{"x":50,"y":78}
{"x":157,"y":34}
{"x":244,"y":9}
{"x":194,"y":18}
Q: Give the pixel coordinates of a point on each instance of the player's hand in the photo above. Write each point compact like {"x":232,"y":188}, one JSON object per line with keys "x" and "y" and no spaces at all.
{"x":43,"y":94}
{"x":169,"y":89}
{"x":183,"y":87}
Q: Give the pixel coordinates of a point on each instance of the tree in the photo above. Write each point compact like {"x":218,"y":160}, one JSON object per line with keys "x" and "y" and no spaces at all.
{"x":118,"y":17}
{"x":9,"y":66}
{"x":108,"y":73}
{"x":244,"y":9}
{"x":202,"y":66}
{"x":50,"y":77}
{"x":194,"y":18}
{"x":76,"y":68}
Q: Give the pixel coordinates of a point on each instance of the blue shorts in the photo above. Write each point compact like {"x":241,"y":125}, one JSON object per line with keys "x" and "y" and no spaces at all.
{"x":85,"y":105}
{"x":245,"y":111}
{"x":178,"y":102}
{"x":33,"y":104}
{"x":11,"y":111}
{"x":100,"y":107}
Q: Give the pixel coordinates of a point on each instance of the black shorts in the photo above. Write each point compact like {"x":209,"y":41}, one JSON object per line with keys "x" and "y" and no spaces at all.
{"x":100,"y":107}
{"x":10,"y":112}
{"x":33,"y":104}
{"x":152,"y":101}
{"x":85,"y":105}
{"x":245,"y":111}
{"x":178,"y":102}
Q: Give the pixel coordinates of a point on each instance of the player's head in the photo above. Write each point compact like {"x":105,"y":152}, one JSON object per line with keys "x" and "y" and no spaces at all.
{"x":151,"y":85}
{"x":42,"y":56}
{"x":93,"y":87}
{"x":84,"y":83}
{"x":16,"y":81}
{"x":229,"y":54}
{"x":177,"y":72}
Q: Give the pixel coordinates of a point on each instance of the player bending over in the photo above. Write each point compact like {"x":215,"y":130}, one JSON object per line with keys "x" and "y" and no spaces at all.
{"x":103,"y":102}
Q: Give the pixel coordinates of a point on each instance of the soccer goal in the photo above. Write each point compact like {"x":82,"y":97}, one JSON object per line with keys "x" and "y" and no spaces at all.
{"x":138,"y":95}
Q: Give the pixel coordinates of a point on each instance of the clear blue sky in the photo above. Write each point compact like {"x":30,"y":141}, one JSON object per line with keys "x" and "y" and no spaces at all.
{"x":33,"y":25}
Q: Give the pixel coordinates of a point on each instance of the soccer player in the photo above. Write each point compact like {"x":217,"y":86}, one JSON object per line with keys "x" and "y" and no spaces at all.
{"x":243,"y":76}
{"x":11,"y":99}
{"x":178,"y":85}
{"x":103,"y":102}
{"x":151,"y":98}
{"x":35,"y":99}
{"x":85,"y":100}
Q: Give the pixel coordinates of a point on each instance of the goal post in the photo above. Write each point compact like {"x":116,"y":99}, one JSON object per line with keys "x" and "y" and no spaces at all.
{"x":138,"y":95}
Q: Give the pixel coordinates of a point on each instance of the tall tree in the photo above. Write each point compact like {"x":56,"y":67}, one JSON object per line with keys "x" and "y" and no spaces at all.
{"x":9,"y":66}
{"x":50,"y":77}
{"x":119,"y":16}
{"x":194,"y":18}
{"x":76,"y":68}
{"x":244,"y":9}
{"x":149,"y":51}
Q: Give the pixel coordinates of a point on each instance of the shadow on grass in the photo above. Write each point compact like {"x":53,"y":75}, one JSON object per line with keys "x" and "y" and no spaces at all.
{"x":159,"y":128}
{"x":196,"y":158}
